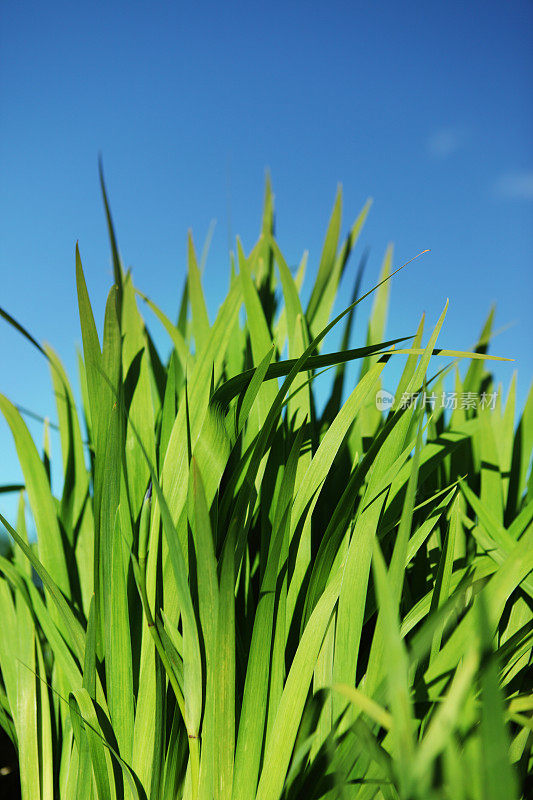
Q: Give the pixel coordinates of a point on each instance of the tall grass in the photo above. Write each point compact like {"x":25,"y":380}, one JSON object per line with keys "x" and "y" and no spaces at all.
{"x":239,"y":596}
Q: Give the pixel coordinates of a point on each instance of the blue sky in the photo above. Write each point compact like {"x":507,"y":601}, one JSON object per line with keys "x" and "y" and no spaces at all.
{"x":425,"y":106}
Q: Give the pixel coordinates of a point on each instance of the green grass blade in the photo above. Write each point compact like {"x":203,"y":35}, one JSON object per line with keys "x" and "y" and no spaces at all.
{"x":498,"y":779}
{"x":91,"y":347}
{"x":43,"y":507}
{"x":200,"y":320}
{"x":278,"y":753}
{"x":397,"y":674}
{"x":327,"y":259}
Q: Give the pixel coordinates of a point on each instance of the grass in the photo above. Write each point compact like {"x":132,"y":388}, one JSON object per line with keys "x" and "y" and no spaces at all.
{"x":237,"y":596}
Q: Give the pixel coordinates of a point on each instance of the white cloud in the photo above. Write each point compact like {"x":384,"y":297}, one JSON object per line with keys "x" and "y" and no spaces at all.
{"x":515,"y":185}
{"x":445,"y":142}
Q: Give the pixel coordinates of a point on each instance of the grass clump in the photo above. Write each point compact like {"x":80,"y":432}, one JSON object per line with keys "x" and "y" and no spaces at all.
{"x":236,"y":595}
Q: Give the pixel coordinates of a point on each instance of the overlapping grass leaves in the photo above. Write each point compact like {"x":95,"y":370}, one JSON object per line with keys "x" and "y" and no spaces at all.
{"x":234,"y":596}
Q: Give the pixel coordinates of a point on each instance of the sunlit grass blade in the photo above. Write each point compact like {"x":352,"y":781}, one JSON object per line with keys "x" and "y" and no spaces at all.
{"x":498,"y":779}
{"x":51,"y":550}
{"x":325,"y":269}
{"x":291,"y":705}
{"x":397,"y":675}
{"x":200,"y":320}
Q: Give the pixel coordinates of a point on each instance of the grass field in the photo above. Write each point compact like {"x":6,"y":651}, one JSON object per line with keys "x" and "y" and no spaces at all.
{"x":245,"y":590}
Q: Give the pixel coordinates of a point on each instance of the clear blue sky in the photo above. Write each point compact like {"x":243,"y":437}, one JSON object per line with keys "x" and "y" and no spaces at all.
{"x":425,"y":106}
